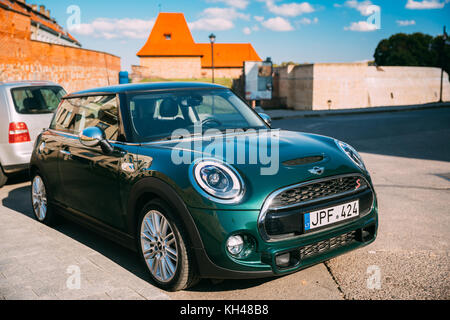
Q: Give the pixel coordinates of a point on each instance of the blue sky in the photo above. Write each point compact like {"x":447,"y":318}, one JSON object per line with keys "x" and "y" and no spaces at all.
{"x":285,"y":30}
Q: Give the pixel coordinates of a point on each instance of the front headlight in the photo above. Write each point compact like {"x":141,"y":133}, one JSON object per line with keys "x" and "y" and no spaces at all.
{"x":351,"y":153}
{"x":217,"y":181}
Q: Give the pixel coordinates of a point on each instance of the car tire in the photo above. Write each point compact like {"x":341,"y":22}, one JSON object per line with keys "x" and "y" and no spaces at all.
{"x":43,"y":211}
{"x":163,"y":247}
{"x":3,"y":177}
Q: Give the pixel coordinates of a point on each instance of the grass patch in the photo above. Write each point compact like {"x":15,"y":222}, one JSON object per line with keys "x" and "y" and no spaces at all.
{"x":227,"y":82}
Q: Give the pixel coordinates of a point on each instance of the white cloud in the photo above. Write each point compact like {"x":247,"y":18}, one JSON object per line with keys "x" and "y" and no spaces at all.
{"x":226,"y":13}
{"x":211,"y":24}
{"x":366,"y":8}
{"x":307,"y":21}
{"x":361,"y":26}
{"x":426,"y":4}
{"x":405,"y":23}
{"x":240,"y":4}
{"x":248,"y":30}
{"x":258,"y":18}
{"x":115,"y":28}
{"x":292,"y":9}
{"x":278,"y":24}
{"x":217,"y":19}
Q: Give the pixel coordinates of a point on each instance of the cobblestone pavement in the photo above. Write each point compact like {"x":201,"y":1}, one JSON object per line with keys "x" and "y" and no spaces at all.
{"x":38,"y":262}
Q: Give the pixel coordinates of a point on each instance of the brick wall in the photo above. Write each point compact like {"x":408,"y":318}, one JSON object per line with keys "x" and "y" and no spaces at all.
{"x":25,"y":59}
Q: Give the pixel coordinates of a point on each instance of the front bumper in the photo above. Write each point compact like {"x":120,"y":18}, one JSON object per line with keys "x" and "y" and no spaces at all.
{"x":216,"y":226}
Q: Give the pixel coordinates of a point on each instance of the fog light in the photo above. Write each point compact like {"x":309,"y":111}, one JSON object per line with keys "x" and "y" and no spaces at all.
{"x":235,"y":244}
{"x":283,"y":260}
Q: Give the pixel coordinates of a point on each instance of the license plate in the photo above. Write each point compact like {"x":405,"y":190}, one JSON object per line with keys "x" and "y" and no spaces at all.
{"x":323,"y":217}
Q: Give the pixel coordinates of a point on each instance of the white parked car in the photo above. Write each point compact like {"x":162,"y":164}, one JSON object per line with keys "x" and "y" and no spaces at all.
{"x":26,"y":107}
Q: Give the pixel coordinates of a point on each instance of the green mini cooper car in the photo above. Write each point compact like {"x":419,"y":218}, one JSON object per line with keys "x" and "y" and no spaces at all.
{"x":199,"y":184}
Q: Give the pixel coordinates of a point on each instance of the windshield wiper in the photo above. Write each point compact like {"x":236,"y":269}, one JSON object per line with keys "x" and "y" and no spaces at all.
{"x":176,"y":137}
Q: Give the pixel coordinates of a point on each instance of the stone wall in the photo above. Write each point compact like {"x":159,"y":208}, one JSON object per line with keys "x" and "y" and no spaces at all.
{"x":357,"y":85}
{"x":171,"y":67}
{"x":178,"y":68}
{"x":405,"y":85}
{"x":296,"y":85}
{"x":74,"y":68}
{"x":232,"y":73}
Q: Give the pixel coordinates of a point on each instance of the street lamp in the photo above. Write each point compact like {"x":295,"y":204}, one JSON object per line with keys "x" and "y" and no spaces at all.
{"x":212,"y":39}
{"x":441,"y":62}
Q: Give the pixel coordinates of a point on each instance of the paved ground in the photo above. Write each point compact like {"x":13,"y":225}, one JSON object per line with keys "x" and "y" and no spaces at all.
{"x":37,"y":262}
{"x":408,"y":155}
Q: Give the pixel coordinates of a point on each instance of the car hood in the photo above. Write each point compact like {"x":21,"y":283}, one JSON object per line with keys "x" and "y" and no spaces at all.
{"x":273,"y":159}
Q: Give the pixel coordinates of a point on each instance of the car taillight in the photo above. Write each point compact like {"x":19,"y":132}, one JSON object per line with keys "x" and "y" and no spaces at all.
{"x":18,"y":132}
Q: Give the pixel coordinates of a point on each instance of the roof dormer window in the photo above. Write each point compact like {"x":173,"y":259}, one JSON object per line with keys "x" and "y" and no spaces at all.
{"x":168,"y":36}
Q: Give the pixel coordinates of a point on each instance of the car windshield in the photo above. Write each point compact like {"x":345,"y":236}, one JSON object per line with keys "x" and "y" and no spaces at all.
{"x":156,"y":116}
{"x":36,"y":100}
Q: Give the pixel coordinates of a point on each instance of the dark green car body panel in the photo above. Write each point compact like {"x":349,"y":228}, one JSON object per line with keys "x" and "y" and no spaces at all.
{"x":101,"y":192}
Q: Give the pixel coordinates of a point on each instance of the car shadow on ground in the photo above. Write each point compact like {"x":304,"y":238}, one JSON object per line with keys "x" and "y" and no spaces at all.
{"x":18,"y":199}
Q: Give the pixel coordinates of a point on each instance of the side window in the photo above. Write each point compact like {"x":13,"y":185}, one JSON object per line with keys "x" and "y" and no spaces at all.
{"x":63,"y":120}
{"x":74,"y":115}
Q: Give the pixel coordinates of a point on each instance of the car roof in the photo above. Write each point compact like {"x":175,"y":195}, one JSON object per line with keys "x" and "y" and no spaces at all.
{"x":153,"y":86}
{"x":28,"y":83}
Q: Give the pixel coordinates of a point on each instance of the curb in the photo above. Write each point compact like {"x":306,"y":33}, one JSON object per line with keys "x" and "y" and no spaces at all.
{"x":327,"y":113}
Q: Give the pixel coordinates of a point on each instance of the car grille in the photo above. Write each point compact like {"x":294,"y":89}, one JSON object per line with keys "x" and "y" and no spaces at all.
{"x":327,"y":245}
{"x":317,"y":190}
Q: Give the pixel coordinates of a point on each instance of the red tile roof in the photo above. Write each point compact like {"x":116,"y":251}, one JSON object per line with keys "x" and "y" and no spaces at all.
{"x":181,"y":43}
{"x":227,"y":54}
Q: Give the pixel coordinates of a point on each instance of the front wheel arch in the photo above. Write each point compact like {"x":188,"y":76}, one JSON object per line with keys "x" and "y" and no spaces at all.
{"x":153,"y":188}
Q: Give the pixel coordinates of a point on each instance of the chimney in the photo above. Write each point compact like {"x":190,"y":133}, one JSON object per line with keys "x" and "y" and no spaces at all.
{"x":42,"y":9}
{"x":47,"y":13}
{"x":34,"y":7}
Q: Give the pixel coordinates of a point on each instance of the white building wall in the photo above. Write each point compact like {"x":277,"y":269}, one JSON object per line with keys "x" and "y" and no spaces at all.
{"x":44,"y":36}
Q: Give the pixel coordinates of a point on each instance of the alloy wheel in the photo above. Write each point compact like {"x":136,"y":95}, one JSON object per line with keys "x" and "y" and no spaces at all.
{"x":39,"y":197}
{"x":159,"y":246}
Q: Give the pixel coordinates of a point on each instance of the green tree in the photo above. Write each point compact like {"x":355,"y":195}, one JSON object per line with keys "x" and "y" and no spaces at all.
{"x":415,"y":49}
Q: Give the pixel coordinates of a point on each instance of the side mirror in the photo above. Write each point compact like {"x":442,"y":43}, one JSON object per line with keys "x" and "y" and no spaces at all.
{"x":266,"y":118}
{"x":93,"y":137}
